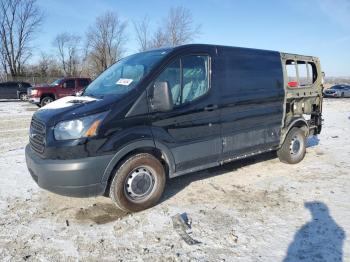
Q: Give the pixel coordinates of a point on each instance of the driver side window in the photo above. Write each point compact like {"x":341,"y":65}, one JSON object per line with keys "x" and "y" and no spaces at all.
{"x":187,"y":78}
{"x":171,"y":74}
{"x":194,"y":77}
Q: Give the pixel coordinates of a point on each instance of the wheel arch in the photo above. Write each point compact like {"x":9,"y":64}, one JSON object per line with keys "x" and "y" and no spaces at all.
{"x":299,"y":122}
{"x":19,"y":94}
{"x":161,"y":152}
{"x":47,"y":95}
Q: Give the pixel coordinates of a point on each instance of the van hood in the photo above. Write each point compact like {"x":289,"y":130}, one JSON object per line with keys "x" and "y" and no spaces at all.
{"x":68,"y":101}
{"x":71,"y":107}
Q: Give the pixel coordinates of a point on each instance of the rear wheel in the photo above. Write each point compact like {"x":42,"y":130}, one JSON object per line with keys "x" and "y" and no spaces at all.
{"x":46,"y":100}
{"x":293,"y":148}
{"x":138,"y":183}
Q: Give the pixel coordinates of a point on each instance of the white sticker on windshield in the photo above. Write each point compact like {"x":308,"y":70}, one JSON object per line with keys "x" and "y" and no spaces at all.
{"x":124,"y":81}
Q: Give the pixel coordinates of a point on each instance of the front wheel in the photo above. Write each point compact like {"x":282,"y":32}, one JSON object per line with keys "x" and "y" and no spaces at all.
{"x":293,"y":148}
{"x":46,"y":100}
{"x":138,"y":183}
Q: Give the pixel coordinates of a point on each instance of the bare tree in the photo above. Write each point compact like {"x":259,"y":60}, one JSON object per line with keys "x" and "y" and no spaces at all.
{"x":3,"y":62}
{"x":105,"y":41}
{"x":47,"y":65}
{"x":179,"y":26}
{"x":44,"y":70}
{"x":176,"y":29}
{"x":43,"y":64}
{"x":159,"y":39}
{"x":143,"y":34}
{"x":19,"y":20}
{"x":68,"y":52}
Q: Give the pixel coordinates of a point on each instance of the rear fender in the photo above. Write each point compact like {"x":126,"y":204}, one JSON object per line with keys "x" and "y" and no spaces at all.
{"x":296,"y":122}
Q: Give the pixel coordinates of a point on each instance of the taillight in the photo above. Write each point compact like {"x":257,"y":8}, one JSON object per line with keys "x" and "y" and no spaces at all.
{"x":293,"y":84}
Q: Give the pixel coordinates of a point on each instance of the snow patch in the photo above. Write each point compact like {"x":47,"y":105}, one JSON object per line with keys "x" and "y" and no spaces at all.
{"x":68,"y":101}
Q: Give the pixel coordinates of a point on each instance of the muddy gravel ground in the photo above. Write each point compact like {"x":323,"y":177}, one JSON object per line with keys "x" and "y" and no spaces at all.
{"x":258,"y":209}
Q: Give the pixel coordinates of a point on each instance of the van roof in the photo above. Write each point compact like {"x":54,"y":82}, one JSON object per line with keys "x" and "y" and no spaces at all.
{"x":188,"y":46}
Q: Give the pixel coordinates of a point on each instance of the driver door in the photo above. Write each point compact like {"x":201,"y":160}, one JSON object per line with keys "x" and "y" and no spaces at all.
{"x":192,"y":129}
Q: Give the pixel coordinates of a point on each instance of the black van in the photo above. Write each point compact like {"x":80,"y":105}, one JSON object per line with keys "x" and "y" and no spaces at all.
{"x":167,"y":112}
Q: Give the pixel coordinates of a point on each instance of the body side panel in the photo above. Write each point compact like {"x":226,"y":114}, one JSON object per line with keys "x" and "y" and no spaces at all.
{"x":252,"y":100}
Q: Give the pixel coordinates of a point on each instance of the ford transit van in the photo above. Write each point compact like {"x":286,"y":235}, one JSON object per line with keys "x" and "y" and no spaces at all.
{"x":168,"y":112}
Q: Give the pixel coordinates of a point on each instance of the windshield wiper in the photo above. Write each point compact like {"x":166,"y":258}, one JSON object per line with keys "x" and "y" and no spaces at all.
{"x":94,"y":96}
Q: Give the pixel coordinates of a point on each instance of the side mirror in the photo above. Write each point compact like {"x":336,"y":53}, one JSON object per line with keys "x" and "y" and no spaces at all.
{"x":64,"y":85}
{"x":162,"y":99}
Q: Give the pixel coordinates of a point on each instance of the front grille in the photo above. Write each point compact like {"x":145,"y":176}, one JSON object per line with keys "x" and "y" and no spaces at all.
{"x":37,"y":135}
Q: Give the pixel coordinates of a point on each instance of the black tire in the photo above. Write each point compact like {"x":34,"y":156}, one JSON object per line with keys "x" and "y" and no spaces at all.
{"x":149,"y":175}
{"x":46,"y":100}
{"x":23,"y":97}
{"x":38,"y":105}
{"x":293,"y":148}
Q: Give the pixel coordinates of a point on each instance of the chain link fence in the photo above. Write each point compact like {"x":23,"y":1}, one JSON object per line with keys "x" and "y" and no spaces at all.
{"x":33,"y":80}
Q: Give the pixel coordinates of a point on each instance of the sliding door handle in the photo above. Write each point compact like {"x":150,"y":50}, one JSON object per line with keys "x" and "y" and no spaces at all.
{"x":210,"y":107}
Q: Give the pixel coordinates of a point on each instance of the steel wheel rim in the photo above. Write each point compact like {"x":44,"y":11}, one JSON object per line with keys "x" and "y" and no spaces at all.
{"x":296,"y":145}
{"x":139,"y":183}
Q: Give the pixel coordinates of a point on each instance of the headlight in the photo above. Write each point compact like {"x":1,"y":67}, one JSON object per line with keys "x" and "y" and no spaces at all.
{"x":33,"y":92}
{"x":78,"y":128}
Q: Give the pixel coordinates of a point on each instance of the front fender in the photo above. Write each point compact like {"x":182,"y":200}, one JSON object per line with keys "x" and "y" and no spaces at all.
{"x":168,"y":157}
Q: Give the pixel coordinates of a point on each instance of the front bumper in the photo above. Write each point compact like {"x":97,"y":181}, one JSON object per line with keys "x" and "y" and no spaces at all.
{"x":72,"y":177}
{"x":34,"y":100}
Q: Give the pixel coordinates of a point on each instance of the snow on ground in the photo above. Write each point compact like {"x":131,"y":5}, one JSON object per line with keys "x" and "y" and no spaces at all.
{"x":67,"y":101}
{"x":253,"y":210}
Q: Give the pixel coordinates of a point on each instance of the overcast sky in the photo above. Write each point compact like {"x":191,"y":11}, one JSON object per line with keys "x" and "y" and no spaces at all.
{"x":319,"y":28}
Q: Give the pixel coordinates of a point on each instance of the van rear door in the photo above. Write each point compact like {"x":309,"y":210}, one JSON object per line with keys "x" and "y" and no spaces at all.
{"x":192,"y":129}
{"x":252,"y":99}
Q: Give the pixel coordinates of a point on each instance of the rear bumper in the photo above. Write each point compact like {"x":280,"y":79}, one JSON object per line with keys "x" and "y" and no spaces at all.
{"x":73,"y":177}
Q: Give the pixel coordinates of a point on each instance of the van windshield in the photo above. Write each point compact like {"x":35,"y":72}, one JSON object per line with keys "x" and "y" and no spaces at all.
{"x":124,"y":75}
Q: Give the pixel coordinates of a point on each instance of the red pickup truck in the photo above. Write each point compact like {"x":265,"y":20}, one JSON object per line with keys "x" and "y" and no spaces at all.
{"x":42,"y":95}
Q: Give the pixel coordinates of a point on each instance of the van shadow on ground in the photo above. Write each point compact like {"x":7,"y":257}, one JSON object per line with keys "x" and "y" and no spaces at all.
{"x":101,"y":213}
{"x":177,"y":184}
{"x":321,"y":239}
{"x":312,"y":141}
